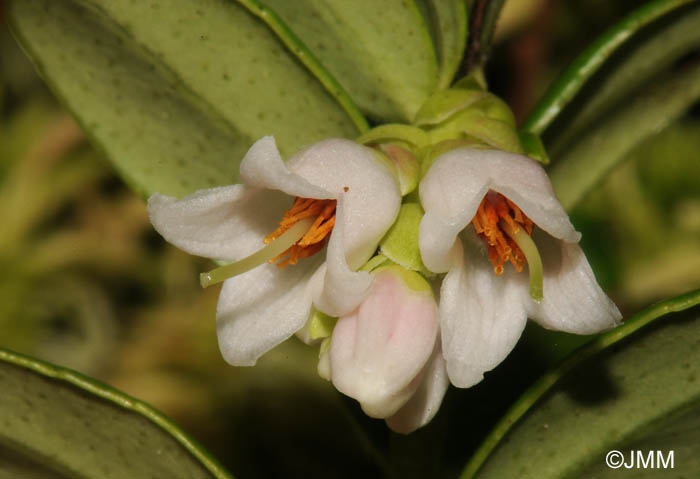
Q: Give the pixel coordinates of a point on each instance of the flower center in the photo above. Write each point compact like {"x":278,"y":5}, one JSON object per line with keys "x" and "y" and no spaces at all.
{"x":494,"y":210}
{"x":506,"y":230}
{"x":303,"y":231}
{"x":314,"y":239}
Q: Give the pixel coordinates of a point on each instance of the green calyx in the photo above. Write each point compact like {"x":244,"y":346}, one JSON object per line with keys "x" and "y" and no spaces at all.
{"x":413,"y":280}
{"x":320,"y":325}
{"x":400,"y":244}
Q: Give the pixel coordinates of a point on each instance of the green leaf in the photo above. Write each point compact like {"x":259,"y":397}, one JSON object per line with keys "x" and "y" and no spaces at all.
{"x":634,"y":387}
{"x":448,"y":26}
{"x":175,"y":91}
{"x":594,"y":155}
{"x":58,"y":423}
{"x":650,"y":53}
{"x":381,"y":52}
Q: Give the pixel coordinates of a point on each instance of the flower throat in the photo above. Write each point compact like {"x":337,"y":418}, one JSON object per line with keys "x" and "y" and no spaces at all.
{"x":315,"y":237}
{"x":507,"y":230}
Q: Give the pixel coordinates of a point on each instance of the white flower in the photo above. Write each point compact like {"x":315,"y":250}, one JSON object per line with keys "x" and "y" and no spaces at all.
{"x":482,"y":313}
{"x":261,"y":308}
{"x":385,"y":354}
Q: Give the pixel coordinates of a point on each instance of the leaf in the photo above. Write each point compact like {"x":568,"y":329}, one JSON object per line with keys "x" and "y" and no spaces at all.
{"x":448,"y":26}
{"x":381,"y":52}
{"x":629,"y":57}
{"x":175,"y":91}
{"x":633,"y":387}
{"x":594,"y":155}
{"x":66,"y":425}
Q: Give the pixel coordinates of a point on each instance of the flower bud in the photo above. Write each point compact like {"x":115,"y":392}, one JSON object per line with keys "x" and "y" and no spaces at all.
{"x":378,"y":352}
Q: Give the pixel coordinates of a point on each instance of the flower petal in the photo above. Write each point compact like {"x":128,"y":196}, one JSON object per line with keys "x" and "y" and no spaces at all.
{"x":481,"y":315}
{"x":573,"y":300}
{"x":263,"y":167}
{"x":337,"y":289}
{"x":379,"y":350}
{"x":457,"y":181}
{"x":261,"y":308}
{"x":369,"y":189}
{"x":425,"y":402}
{"x":228,"y":222}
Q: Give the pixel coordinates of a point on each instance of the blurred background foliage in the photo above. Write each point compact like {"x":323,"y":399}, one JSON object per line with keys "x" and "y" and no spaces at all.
{"x":89,"y":285}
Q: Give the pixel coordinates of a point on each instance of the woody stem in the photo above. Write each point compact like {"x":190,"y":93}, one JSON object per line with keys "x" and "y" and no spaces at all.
{"x":532,"y":255}
{"x":272,"y":250}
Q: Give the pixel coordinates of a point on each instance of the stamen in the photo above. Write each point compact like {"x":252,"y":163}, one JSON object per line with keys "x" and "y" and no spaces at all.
{"x":494,"y":209}
{"x":534,"y":261}
{"x":314,"y":239}
{"x":507,"y":231}
{"x":274,"y":248}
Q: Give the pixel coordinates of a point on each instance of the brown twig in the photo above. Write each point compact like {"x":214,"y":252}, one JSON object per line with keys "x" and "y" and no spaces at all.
{"x":472,"y":55}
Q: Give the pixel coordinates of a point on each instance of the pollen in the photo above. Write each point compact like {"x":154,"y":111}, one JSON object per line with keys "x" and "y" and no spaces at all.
{"x":314,"y":239}
{"x":494,"y":209}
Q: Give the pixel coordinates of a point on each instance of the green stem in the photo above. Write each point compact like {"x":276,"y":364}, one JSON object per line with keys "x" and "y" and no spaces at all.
{"x":272,"y":250}
{"x":591,"y":60}
{"x":534,"y":261}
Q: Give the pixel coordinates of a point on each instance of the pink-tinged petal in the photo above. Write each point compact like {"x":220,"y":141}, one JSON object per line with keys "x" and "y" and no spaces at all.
{"x":228,"y":222}
{"x":261,"y":308}
{"x":481,"y":315}
{"x":425,"y":402}
{"x":573,"y":301}
{"x":379,"y":351}
{"x":263,"y":167}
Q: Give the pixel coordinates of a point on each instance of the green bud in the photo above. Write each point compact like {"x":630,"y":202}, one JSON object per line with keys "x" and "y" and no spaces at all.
{"x":394,"y":132}
{"x":444,"y":104}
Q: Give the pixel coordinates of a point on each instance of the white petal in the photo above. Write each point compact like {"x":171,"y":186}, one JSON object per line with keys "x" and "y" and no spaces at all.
{"x":337,"y":289}
{"x":369,"y":189}
{"x":573,"y":300}
{"x":263,"y":167}
{"x":425,"y":402}
{"x":481,"y":315}
{"x":457,"y":181}
{"x":379,"y":350}
{"x":261,"y":308}
{"x":228,"y":222}
{"x":436,"y":237}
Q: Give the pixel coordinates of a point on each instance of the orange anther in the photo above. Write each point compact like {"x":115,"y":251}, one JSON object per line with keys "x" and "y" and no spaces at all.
{"x":493,"y":209}
{"x":314,"y":239}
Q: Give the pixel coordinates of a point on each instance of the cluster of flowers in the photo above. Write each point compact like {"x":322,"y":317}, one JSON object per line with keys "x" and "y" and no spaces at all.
{"x":392,"y":335}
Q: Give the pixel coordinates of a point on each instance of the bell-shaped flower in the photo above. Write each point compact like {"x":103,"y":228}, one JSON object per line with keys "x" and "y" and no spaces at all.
{"x":334,"y":192}
{"x":483,"y":209}
{"x":385,"y":355}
